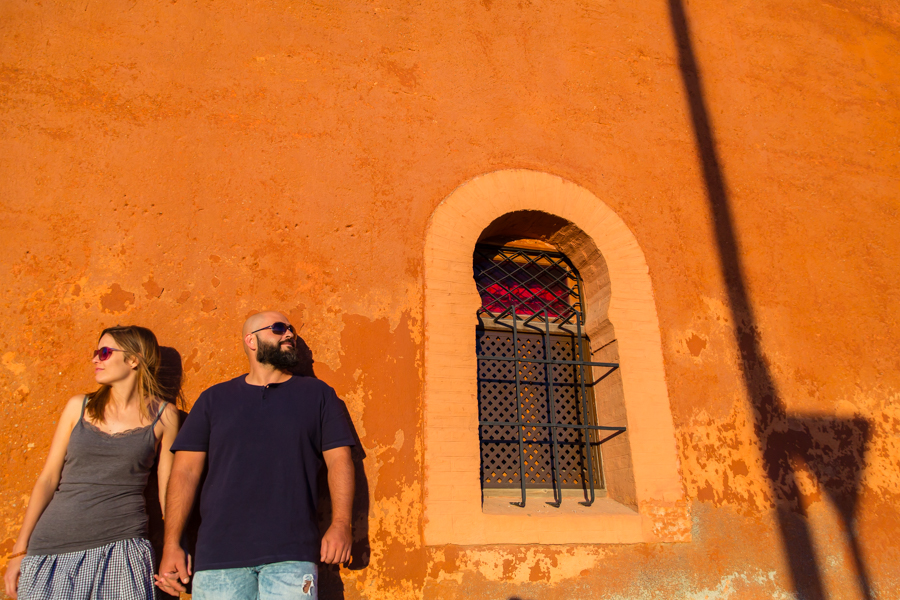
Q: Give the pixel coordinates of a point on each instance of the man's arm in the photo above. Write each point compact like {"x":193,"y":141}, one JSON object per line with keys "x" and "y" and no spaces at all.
{"x":337,"y":540}
{"x":174,"y":570}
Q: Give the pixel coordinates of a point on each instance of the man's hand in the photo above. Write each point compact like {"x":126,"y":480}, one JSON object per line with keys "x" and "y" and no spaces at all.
{"x":174,"y":570}
{"x":336,"y":541}
{"x":336,"y":544}
{"x":175,"y":567}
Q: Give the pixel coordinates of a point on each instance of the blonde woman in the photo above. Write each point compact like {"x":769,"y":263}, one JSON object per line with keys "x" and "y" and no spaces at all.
{"x":84,"y":535}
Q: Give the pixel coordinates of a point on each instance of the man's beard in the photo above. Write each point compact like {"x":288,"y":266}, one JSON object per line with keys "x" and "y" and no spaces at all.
{"x":285,"y":359}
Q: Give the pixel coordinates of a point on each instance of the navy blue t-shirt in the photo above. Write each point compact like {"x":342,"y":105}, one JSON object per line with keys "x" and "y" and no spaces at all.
{"x":264,"y":445}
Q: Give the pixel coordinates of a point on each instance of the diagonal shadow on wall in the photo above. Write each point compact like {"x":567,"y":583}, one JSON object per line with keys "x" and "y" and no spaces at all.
{"x":831,"y":450}
{"x":171,"y":378}
{"x":331,"y":585}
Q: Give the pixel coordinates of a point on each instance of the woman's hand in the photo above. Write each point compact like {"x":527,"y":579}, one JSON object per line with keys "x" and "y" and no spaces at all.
{"x":11,"y":579}
{"x":174,"y":570}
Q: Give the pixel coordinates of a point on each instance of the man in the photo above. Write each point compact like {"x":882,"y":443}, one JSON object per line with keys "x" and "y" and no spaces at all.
{"x":263,"y":436}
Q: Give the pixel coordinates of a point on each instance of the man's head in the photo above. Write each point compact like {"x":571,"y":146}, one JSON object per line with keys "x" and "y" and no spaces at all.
{"x":269,"y":339}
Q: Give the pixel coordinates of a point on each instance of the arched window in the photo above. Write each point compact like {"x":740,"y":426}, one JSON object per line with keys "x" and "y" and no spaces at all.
{"x":538,"y":426}
{"x":596,"y":255}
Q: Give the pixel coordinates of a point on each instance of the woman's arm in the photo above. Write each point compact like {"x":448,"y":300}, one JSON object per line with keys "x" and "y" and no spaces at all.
{"x":48,"y":480}
{"x":44,"y":488}
{"x":170,"y":423}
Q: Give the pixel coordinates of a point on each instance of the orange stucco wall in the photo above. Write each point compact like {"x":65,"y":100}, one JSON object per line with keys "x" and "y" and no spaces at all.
{"x":182,"y":164}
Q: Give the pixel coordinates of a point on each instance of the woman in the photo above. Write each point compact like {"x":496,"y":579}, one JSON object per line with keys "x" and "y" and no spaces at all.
{"x":84,"y":534}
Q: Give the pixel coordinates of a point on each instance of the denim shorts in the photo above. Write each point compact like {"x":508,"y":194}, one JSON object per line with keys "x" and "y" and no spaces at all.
{"x":275,"y":581}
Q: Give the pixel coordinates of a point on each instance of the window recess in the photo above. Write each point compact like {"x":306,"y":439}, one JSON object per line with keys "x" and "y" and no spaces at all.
{"x":538,"y":425}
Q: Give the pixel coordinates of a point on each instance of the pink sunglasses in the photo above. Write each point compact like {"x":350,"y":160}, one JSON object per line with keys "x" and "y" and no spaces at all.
{"x":104,"y":352}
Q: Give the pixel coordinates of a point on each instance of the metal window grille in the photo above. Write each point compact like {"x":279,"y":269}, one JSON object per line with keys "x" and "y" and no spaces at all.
{"x":537,"y":421}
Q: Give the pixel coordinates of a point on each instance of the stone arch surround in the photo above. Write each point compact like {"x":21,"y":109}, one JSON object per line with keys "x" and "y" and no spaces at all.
{"x":453,"y":503}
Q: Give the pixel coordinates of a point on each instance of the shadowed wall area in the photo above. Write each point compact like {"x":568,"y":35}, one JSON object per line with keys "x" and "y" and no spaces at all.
{"x":725,"y":176}
{"x":832,"y":450}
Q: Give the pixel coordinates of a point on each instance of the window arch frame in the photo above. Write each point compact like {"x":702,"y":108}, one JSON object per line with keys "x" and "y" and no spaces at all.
{"x":453,"y":506}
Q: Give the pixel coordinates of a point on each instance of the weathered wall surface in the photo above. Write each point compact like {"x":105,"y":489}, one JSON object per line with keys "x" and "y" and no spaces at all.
{"x":181,"y":164}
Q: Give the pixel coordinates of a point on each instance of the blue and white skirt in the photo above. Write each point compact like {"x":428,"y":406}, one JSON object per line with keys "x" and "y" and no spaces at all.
{"x":119,"y":571}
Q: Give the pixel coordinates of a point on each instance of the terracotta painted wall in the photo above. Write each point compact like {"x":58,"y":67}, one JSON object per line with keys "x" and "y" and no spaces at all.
{"x":182,"y":164}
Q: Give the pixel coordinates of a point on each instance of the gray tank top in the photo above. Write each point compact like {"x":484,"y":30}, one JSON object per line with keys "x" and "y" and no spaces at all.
{"x":100,"y":498}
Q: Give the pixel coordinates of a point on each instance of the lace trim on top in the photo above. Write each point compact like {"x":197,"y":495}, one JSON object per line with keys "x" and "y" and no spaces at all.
{"x":116,"y":434}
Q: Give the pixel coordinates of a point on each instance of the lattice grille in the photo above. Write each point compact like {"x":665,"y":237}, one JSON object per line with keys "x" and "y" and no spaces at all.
{"x":536,"y":416}
{"x":496,"y":392}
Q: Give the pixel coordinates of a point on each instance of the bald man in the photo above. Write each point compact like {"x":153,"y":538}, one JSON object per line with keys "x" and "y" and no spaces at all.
{"x":263,"y":436}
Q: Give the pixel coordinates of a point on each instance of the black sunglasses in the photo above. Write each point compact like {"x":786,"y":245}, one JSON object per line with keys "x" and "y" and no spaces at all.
{"x":278,"y":329}
{"x":104,"y":352}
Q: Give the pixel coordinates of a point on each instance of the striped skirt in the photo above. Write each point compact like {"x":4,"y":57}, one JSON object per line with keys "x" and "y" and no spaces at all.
{"x":119,"y":571}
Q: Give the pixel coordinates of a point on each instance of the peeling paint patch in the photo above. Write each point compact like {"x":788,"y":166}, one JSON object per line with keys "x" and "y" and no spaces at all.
{"x":153,"y":289}
{"x":733,"y":586}
{"x":398,"y":440}
{"x":507,"y":564}
{"x":116,"y":300}
{"x":671,"y":520}
{"x":21,"y":394}
{"x":881,"y":474}
{"x":695,"y":344}
{"x":721,"y":463}
{"x":9,"y":363}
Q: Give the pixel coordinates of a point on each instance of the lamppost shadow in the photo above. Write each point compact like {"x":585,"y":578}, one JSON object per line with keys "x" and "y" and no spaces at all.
{"x":832,"y":450}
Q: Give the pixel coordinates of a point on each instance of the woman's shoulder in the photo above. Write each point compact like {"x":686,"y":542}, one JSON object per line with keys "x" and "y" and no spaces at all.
{"x":72,"y":410}
{"x":168,"y":412}
{"x":75,"y":403}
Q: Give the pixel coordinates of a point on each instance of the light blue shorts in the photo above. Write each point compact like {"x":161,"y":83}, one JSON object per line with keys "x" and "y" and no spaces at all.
{"x":275,"y":581}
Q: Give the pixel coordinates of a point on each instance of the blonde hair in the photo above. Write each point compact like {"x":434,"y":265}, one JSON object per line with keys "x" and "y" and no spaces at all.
{"x":137,"y":342}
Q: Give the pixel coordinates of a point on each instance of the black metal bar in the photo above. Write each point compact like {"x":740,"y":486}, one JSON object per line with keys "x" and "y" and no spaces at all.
{"x":602,"y":377}
{"x":518,"y":410}
{"x":587,"y":432}
{"x":504,"y":251}
{"x":511,"y":381}
{"x":600,"y":443}
{"x":501,"y":315}
{"x":497,"y":319}
{"x":554,"y":455}
{"x":555,"y":362}
{"x":560,"y":425}
{"x":619,"y":431}
{"x":572,"y":313}
{"x":558,"y":321}
{"x":530,"y":319}
{"x":570,"y":385}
